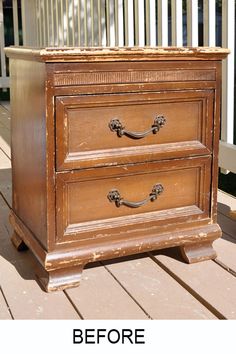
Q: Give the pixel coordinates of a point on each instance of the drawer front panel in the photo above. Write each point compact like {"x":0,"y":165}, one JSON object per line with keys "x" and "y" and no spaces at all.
{"x":90,"y":201}
{"x":112,"y":129}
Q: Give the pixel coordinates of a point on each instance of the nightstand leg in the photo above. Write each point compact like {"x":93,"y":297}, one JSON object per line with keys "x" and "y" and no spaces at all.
{"x":18,"y":242}
{"x":193,"y":253}
{"x":59,"y":279}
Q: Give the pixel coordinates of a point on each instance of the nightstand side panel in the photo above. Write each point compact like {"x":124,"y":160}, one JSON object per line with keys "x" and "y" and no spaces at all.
{"x":28,"y":125}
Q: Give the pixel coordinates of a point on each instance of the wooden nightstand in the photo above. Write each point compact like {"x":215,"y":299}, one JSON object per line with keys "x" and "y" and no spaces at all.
{"x":114,"y":152}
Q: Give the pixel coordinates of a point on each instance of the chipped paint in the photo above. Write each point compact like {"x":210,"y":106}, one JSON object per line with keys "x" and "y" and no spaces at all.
{"x":202,"y":234}
{"x":96,"y":256}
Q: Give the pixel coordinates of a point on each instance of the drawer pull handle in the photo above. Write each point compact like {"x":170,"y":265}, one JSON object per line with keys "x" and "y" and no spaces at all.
{"x":116,"y":126}
{"x":114,"y":196}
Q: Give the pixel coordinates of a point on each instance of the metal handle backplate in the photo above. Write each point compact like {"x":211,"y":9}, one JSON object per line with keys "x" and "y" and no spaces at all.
{"x":116,"y":126}
{"x":114,"y":196}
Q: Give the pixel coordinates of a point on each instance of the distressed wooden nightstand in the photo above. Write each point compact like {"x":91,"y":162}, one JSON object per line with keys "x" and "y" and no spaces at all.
{"x":114,"y":152}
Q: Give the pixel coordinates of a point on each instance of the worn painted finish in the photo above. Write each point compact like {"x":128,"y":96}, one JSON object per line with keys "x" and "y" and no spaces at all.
{"x":78,"y":224}
{"x":85,"y":54}
{"x":29,"y":160}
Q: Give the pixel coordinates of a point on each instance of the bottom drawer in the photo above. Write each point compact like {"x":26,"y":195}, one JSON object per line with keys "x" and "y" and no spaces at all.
{"x":98,"y":202}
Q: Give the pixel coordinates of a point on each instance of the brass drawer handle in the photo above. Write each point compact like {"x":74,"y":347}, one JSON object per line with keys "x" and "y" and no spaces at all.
{"x":114,"y":196}
{"x":116,"y":126}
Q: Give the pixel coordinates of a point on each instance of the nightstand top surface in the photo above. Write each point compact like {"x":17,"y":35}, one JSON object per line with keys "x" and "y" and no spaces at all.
{"x":84,"y":54}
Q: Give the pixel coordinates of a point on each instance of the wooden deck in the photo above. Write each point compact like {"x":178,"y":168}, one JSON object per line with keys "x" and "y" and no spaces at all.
{"x":151,"y":286}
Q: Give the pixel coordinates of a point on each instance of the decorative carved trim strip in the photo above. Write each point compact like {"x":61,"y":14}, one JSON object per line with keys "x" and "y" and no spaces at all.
{"x":116,"y":77}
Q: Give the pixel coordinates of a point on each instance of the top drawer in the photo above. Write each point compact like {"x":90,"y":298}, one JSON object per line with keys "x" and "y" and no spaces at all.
{"x":100,"y":130}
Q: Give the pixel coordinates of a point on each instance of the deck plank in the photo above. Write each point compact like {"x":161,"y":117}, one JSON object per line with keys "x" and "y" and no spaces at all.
{"x":5,"y":177}
{"x":157,"y":292}
{"x":100,"y":296}
{"x":207,"y":280}
{"x":4,"y":312}
{"x":5,"y":116}
{"x":6,"y":105}
{"x":5,"y":135}
{"x":17,"y":280}
{"x":227,"y":225}
{"x":226,"y":252}
{"x":5,"y":162}
{"x":5,"y":140}
{"x":5,"y":154}
{"x":226,"y":202}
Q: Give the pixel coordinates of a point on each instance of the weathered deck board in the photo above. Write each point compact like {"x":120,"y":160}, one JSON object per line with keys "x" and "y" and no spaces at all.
{"x":4,"y":312}
{"x":4,"y":138}
{"x":226,"y":246}
{"x":5,"y":105}
{"x":157,"y":292}
{"x":228,"y":225}
{"x":5,"y":154}
{"x":5,"y":118}
{"x":226,"y":253}
{"x":5,"y":135}
{"x":226,"y":203}
{"x":214,"y":286}
{"x":5,"y":177}
{"x":25,"y":298}
{"x":5,"y":162}
{"x":99,"y":296}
